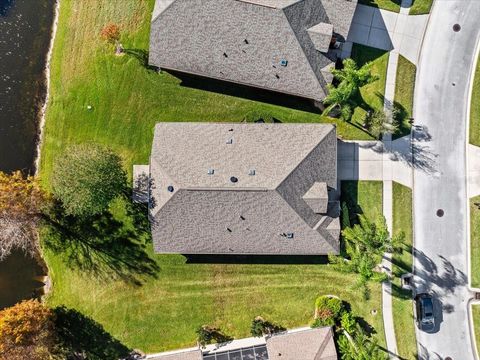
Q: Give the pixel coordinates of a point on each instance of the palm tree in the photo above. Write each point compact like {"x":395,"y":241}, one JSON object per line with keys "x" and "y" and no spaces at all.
{"x":351,"y":79}
{"x":365,"y":244}
{"x":360,"y":346}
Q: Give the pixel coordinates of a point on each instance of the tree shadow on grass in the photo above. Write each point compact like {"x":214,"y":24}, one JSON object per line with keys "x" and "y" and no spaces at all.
{"x":142,"y":56}
{"x":102,"y":245}
{"x":84,"y":338}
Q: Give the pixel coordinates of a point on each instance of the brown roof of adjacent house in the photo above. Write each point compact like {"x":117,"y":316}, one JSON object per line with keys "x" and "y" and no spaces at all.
{"x":180,"y":355}
{"x":311,"y":344}
{"x":261,"y":43}
{"x":239,"y":188}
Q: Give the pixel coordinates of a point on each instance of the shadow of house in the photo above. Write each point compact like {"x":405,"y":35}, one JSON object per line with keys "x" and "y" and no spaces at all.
{"x":256,"y":259}
{"x":369,"y":26}
{"x":282,"y":46}
{"x":83,"y":338}
{"x":103,"y":245}
{"x":244,"y":91}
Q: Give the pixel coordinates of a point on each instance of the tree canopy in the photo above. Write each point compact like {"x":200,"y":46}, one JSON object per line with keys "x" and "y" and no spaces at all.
{"x":22,"y":202}
{"x":345,"y":94}
{"x":27,"y":331}
{"x":87,"y":178}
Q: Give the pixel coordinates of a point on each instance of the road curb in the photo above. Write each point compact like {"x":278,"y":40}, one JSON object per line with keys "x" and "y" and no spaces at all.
{"x":471,"y":302}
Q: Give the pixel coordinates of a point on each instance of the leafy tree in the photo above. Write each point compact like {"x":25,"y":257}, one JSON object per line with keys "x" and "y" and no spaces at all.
{"x":87,"y":178}
{"x":261,"y":327}
{"x":351,"y":79}
{"x":378,"y":123}
{"x":111,"y":34}
{"x":365,"y":244}
{"x":27,"y":331}
{"x":22,"y":203}
{"x":359,"y":346}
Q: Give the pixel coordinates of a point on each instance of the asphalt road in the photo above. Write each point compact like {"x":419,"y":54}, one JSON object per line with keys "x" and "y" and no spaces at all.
{"x":440,"y":175}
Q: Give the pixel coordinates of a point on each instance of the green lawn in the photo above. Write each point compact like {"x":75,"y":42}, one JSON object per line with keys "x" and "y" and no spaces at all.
{"x":402,"y":300}
{"x":475,"y":109}
{"x":404,"y":91}
{"x":371,"y":95}
{"x":392,"y":5}
{"x":476,"y":323}
{"x":420,"y":7}
{"x":127,"y":99}
{"x":475,"y":241}
{"x":363,"y":197}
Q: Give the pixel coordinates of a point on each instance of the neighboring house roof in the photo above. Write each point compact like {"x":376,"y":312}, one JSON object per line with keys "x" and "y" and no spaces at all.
{"x":239,"y":188}
{"x":311,"y":344}
{"x":179,"y":355}
{"x":245,"y":41}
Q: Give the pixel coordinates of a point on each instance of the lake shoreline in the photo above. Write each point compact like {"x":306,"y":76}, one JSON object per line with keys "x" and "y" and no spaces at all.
{"x":46,"y":89}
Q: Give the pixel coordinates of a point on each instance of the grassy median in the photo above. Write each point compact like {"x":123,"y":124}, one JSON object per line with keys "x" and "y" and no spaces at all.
{"x":404,"y":92}
{"x":391,"y":5}
{"x":127,"y":98}
{"x":475,"y":241}
{"x":420,"y":7}
{"x":475,"y":109}
{"x":402,"y":263}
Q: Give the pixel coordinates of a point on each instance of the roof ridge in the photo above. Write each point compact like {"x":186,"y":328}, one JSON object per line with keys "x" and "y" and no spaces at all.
{"x":317,"y":76}
{"x":307,"y":155}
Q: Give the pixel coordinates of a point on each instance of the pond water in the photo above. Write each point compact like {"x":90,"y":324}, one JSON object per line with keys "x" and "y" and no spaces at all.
{"x":24,"y":38}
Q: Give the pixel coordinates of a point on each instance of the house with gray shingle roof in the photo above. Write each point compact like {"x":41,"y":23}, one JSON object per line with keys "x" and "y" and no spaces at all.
{"x":296,"y":344}
{"x":244,"y":189}
{"x":278,"y":45}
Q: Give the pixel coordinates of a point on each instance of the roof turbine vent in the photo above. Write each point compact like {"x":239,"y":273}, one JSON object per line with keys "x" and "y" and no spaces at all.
{"x":233,"y":179}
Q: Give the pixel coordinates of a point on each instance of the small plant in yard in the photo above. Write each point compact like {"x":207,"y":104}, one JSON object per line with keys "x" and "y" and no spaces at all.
{"x":208,"y":334}
{"x":328,"y":311}
{"x":378,"y":123}
{"x":343,"y":97}
{"x":87,"y":178}
{"x":261,"y":327}
{"x":111,"y":34}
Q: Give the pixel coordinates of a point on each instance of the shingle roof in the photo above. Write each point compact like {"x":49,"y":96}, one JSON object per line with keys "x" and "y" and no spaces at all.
{"x":197,"y":209}
{"x":245,"y":41}
{"x":179,"y":355}
{"x":311,"y":344}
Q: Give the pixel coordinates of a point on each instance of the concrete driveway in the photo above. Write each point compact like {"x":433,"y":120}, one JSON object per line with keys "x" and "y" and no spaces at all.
{"x":440,"y":196}
{"x":370,"y":160}
{"x":388,"y":30}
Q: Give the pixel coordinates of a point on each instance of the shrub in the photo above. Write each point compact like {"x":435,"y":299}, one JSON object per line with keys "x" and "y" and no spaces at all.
{"x":348,"y":322}
{"x":259,"y":116}
{"x":261,"y":327}
{"x":208,"y":334}
{"x":328,"y":311}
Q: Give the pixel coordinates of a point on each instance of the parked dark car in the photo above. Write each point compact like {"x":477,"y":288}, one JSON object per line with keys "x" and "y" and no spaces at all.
{"x":425,"y":313}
